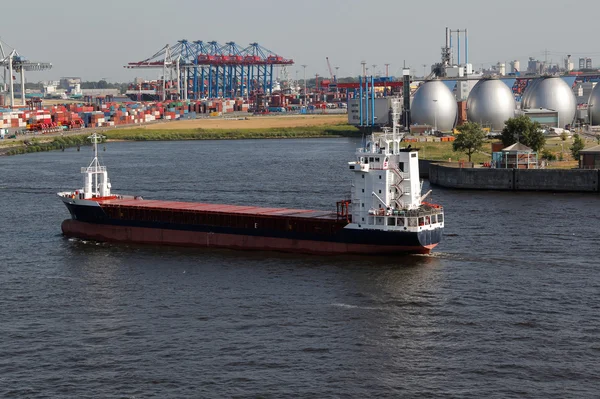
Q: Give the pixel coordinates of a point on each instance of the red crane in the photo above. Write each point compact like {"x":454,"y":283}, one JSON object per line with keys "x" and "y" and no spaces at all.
{"x":331,"y":75}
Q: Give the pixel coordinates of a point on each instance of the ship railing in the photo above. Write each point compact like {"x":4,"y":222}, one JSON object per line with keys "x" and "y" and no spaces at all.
{"x":417,"y":212}
{"x":93,"y":169}
{"x":401,"y":175}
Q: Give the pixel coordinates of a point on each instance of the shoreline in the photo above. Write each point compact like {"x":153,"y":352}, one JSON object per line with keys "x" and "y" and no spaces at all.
{"x":60,"y":142}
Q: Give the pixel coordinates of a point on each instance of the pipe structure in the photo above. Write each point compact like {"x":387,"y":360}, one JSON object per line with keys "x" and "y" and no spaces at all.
{"x":360,"y":99}
{"x":373,"y":101}
{"x":451,"y":52}
{"x":458,"y":47}
{"x":466,"y":47}
{"x":366,"y":101}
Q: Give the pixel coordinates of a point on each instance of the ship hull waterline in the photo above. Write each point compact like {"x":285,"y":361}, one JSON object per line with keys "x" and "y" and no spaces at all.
{"x":168,"y":237}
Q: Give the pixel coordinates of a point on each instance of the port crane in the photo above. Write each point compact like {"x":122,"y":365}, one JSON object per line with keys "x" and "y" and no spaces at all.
{"x":331,"y":75}
{"x":19,"y":64}
{"x":212,"y":70}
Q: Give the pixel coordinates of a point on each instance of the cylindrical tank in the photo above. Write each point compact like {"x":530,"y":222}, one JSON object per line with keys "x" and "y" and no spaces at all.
{"x":553,"y":93}
{"x":515,"y":66}
{"x":594,"y":106}
{"x":491,"y":103}
{"x":434,"y":105}
{"x":501,"y":68}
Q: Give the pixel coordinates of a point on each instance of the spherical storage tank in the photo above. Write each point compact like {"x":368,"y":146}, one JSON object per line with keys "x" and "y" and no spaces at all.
{"x":434,"y":105}
{"x":594,"y":106}
{"x":551,"y":93}
{"x":491,"y":103}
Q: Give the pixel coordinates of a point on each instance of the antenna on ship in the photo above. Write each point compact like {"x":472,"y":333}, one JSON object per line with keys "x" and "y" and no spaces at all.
{"x":95,"y":138}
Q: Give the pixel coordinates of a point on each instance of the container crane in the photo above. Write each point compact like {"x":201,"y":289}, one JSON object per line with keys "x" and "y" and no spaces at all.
{"x":212,"y":70}
{"x":17,"y":63}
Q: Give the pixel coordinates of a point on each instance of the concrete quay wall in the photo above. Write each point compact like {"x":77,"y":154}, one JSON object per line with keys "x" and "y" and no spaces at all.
{"x":557,"y":180}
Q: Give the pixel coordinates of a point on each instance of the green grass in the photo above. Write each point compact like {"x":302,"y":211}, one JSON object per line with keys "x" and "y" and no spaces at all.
{"x":232,"y":134}
{"x":57,"y":143}
{"x":442,"y":151}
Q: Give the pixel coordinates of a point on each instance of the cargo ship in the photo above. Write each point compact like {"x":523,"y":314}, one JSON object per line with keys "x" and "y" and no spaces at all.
{"x":386,"y":213}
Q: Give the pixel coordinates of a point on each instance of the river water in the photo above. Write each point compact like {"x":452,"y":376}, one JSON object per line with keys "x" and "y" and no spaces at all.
{"x":507,"y":306}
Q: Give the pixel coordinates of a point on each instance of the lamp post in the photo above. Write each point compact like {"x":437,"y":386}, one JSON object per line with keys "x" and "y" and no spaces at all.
{"x":591,"y":122}
{"x":305,"y":95}
{"x":434,"y":116}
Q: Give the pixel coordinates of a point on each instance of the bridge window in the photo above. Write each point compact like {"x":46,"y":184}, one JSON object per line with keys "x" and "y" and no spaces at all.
{"x":391,"y":221}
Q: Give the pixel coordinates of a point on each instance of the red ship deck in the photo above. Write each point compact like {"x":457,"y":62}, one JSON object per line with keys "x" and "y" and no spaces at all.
{"x":220,"y":208}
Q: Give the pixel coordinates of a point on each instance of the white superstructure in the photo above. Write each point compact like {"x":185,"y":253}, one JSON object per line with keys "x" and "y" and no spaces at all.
{"x":386,"y":190}
{"x":95,"y":182}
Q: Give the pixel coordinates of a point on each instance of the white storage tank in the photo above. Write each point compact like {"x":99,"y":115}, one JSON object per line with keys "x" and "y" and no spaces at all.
{"x":491,"y":103}
{"x":501,"y":68}
{"x":515,"y":66}
{"x":434,"y":105}
{"x":594,"y":106}
{"x":551,"y":92}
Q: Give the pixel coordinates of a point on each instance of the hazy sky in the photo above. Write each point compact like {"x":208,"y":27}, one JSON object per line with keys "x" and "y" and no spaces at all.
{"x":94,"y":39}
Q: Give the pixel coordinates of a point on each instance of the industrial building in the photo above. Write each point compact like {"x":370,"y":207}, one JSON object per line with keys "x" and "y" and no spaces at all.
{"x":590,"y":158}
{"x":585,"y":63}
{"x":381,"y":111}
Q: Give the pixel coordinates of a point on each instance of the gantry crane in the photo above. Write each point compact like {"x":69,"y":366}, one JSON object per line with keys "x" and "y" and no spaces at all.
{"x":211,"y":70}
{"x":17,"y":63}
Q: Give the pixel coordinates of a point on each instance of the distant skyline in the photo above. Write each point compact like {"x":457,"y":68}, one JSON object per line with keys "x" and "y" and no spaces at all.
{"x":95,"y":40}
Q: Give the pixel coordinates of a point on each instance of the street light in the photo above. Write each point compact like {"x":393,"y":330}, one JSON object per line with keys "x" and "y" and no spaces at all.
{"x":590,"y":112}
{"x":305,"y":95}
{"x":434,"y":116}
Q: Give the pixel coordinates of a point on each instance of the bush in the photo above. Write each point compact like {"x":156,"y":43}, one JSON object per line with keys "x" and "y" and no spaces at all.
{"x":548,"y":155}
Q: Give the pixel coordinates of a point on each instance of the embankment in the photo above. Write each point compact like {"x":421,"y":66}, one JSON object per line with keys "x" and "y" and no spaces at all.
{"x":43,"y":143}
{"x":555,"y":180}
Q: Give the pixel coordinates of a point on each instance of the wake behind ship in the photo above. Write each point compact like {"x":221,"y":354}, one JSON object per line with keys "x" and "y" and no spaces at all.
{"x":386,"y":213}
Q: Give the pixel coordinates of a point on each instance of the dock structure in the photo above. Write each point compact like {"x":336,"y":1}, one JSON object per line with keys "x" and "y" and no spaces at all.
{"x":199,"y":69}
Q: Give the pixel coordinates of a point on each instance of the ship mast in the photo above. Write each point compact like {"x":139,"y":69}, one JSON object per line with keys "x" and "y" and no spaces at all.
{"x":92,"y":187}
{"x":95,"y":137}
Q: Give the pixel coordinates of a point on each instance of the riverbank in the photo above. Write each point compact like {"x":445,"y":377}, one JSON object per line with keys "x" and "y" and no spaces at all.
{"x":160,"y":133}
